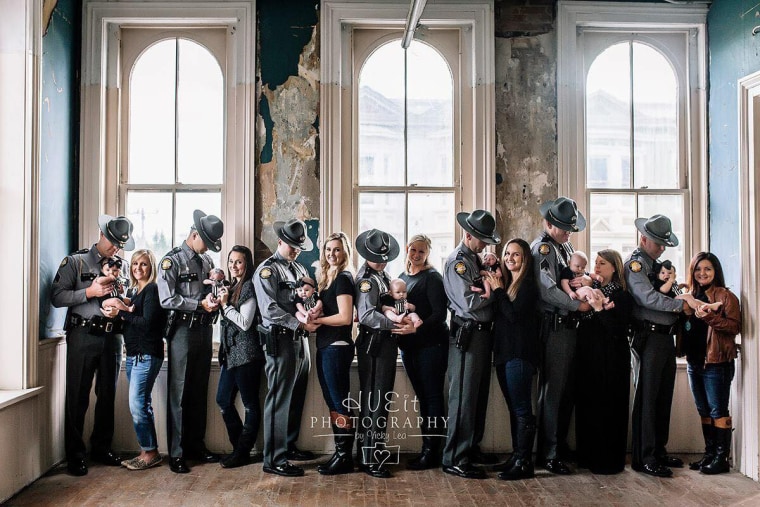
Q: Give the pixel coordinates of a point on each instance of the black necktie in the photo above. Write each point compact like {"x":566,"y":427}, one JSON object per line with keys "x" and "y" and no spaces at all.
{"x":198,"y":261}
{"x":293,"y":271}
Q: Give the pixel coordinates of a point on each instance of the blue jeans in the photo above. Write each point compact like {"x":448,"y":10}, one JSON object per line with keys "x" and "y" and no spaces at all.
{"x":516,"y":382}
{"x":333,"y":371}
{"x":711,"y":387}
{"x":426,"y":369}
{"x":246,"y":380}
{"x":141,"y":375}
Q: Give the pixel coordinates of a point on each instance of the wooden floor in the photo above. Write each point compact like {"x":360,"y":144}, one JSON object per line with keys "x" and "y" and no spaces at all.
{"x":209,"y":484}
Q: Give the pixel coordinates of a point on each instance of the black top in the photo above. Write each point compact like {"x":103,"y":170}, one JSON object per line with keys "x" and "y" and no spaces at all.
{"x":568,"y":274}
{"x":694,"y":344}
{"x":342,"y":285}
{"x":144,"y":329}
{"x":612,"y":323}
{"x":516,"y":324}
{"x":425,"y":291}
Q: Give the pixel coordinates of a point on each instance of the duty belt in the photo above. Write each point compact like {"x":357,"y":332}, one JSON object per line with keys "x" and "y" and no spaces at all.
{"x":295,"y":334}
{"x":382,"y":333}
{"x":654,"y":327}
{"x":476,"y":325}
{"x":98,"y":325}
{"x":196,"y":319}
{"x":566,"y":321}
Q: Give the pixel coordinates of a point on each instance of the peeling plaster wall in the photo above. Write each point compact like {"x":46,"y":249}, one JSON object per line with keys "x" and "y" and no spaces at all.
{"x":526,"y":132}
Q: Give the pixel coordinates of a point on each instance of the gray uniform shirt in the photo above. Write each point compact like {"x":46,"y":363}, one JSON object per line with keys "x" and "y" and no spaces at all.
{"x":651,"y":304}
{"x":77,"y":272}
{"x":548,"y":263}
{"x":180,"y":279}
{"x":459,"y":274}
{"x":371,"y":286}
{"x":275,"y":285}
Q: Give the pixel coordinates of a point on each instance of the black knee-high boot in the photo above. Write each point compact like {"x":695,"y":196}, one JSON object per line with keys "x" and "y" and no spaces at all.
{"x":708,"y":432}
{"x":719,"y":464}
{"x":523,"y":466}
{"x":341,"y":461}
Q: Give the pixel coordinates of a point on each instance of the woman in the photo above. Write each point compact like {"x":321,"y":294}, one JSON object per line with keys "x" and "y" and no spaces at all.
{"x":241,"y":358}
{"x":143,"y":337}
{"x":708,"y":342}
{"x":425,"y":354}
{"x":516,"y":351}
{"x":604,"y":370}
{"x":335,"y":347}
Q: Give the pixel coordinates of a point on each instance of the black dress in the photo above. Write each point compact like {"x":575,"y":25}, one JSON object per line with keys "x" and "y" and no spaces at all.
{"x":603,"y":385}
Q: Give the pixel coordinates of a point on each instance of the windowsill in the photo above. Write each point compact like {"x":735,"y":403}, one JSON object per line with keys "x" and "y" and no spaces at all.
{"x":11,"y":397}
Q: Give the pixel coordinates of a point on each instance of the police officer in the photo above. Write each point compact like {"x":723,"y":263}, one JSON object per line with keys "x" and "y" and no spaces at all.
{"x":376,"y":348}
{"x":470,"y":342}
{"x":189,"y":333}
{"x":284,"y":340}
{"x":94,"y":343}
{"x":655,"y":317}
{"x":551,"y":252}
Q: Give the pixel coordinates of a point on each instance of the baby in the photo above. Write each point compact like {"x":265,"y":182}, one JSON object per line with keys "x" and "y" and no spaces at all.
{"x":216,"y":279}
{"x":664,"y":278}
{"x":401,"y":310}
{"x":491,"y":264}
{"x":308,"y":304}
{"x":111,"y":266}
{"x":575,"y":268}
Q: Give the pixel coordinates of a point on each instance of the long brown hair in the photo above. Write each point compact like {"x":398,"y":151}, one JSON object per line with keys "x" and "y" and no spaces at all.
{"x":511,"y":282}
{"x":414,"y":239}
{"x":613,"y":257}
{"x":327,"y":275}
{"x":718,"y":280}
{"x":247,"y":274}
{"x":151,"y":260}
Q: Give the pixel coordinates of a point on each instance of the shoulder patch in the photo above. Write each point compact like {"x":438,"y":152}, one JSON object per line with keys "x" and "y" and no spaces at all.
{"x":460,"y":267}
{"x":365,"y":286}
{"x":544,"y":249}
{"x":166,"y":263}
{"x":64,"y":262}
{"x":265,"y":273}
{"x":635,"y":266}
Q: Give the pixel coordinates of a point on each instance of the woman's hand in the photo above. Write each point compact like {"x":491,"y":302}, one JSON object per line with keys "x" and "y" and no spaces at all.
{"x":690,"y":300}
{"x":110,"y":311}
{"x":495,"y":281}
{"x":223,"y":295}
{"x":406,"y":327}
{"x":596,"y":300}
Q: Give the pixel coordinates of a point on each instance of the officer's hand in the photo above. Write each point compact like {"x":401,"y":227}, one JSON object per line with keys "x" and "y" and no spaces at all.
{"x":110,"y":311}
{"x":580,"y":281}
{"x":101,"y":286}
{"x":584,"y":307}
{"x":406,"y":327}
{"x":690,"y":300}
{"x":310,"y":327}
{"x":208,"y":305}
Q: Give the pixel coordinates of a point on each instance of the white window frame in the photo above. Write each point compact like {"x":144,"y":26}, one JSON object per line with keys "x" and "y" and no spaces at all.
{"x":477,"y":121}
{"x":100,"y":147}
{"x":573,"y":16}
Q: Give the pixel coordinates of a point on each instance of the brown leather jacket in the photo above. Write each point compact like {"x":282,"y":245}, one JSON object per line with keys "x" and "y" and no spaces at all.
{"x":723,"y":326}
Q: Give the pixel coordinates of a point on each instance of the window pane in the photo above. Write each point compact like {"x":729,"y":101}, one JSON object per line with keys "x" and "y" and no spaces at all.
{"x":381,"y":117}
{"x":200,"y":115}
{"x":430,"y":129}
{"x":433,"y":215}
{"x":187,"y":202}
{"x":671,"y":206}
{"x":151,"y":115}
{"x":608,"y":119}
{"x":151,"y":214}
{"x":384,"y":211}
{"x":655,"y":125}
{"x":612,"y":223}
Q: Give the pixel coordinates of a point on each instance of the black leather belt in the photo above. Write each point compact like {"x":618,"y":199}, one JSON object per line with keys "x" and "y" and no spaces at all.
{"x":566,"y":321}
{"x":381,"y":333}
{"x":97,"y":325}
{"x":654,"y":327}
{"x":196,"y":319}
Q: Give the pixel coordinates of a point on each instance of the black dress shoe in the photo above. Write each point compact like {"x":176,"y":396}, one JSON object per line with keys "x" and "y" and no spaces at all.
{"x":178,"y":465}
{"x":296,"y":454}
{"x":203,"y":455}
{"x":670,"y":461}
{"x":655,"y":469}
{"x":107,"y":458}
{"x":77,"y":467}
{"x":378,"y":471}
{"x":466,"y":471}
{"x":556,"y":466}
{"x":285,"y":469}
{"x":483,"y":458}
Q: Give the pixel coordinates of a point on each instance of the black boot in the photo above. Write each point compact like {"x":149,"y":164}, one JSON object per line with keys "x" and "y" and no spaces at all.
{"x":719,"y":464}
{"x":708,"y":431}
{"x":523,"y":465}
{"x":241,"y":454}
{"x":430,"y":457}
{"x":341,"y":461}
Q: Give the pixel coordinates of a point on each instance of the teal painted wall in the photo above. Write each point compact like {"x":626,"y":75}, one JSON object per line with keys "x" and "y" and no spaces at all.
{"x":59,"y":143}
{"x":733,"y":53}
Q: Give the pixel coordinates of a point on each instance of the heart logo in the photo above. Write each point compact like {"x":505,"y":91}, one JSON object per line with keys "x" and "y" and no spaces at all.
{"x":381,"y":456}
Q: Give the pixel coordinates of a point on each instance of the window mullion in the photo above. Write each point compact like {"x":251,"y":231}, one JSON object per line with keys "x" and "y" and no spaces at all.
{"x":176,"y":111}
{"x":632,"y":174}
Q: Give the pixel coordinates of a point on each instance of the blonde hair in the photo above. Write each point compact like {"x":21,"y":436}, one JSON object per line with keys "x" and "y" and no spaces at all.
{"x":327,"y":275}
{"x":414,"y":239}
{"x":613,"y":257}
{"x":526,"y":269}
{"x":151,"y":260}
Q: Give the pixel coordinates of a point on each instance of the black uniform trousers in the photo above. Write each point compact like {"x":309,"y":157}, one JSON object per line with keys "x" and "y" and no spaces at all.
{"x":88,"y":357}
{"x":281,"y":371}
{"x":483,"y":394}
{"x":466,"y":373}
{"x":298,"y":397}
{"x":190,"y":352}
{"x":650,"y":420}
{"x":376,"y":378}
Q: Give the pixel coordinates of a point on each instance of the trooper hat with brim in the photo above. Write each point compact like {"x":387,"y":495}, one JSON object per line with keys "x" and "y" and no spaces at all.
{"x":293,"y":232}
{"x":210,"y":228}
{"x":377,"y":246}
{"x":117,"y":230}
{"x":658,"y":228}
{"x":563,"y":213}
{"x":480,"y":224}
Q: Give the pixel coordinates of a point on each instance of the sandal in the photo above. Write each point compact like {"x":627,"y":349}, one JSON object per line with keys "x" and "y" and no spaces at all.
{"x":141,"y":464}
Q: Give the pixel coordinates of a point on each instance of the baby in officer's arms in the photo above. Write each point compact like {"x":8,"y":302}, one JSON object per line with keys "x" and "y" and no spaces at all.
{"x":577,"y":268}
{"x":308,"y":304}
{"x":402,"y":310}
{"x":663,"y":279}
{"x":111,"y":267}
{"x":491,"y":264}
{"x":216,"y":279}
